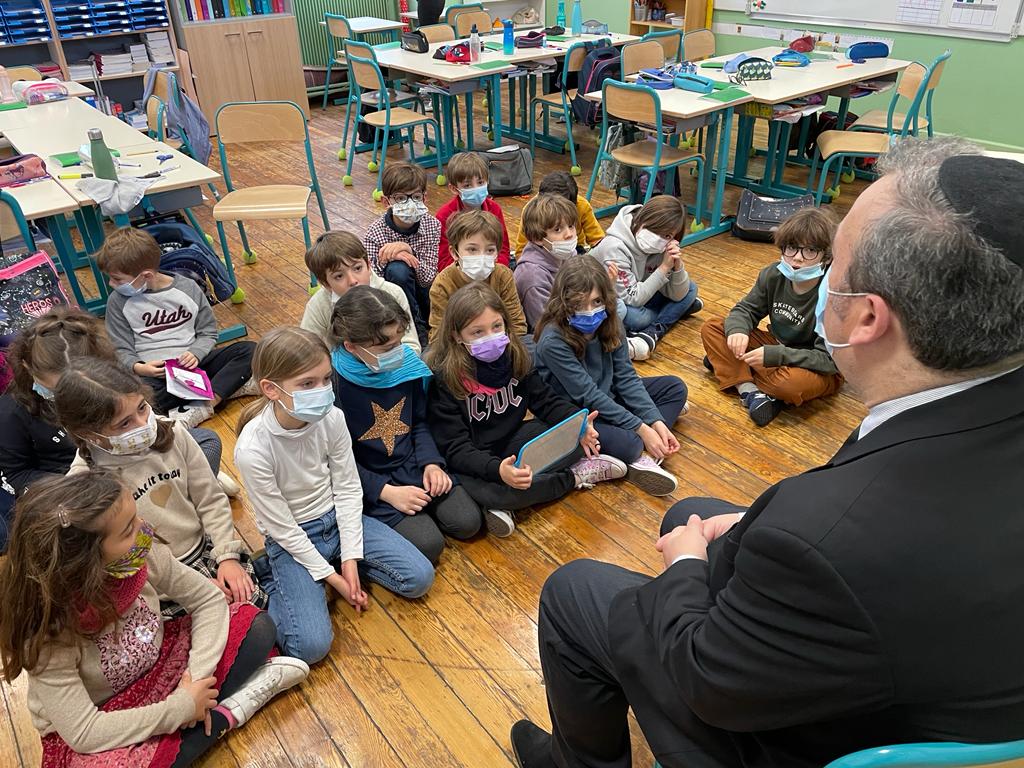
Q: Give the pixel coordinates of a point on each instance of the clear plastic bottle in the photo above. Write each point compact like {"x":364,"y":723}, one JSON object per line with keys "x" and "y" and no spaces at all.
{"x":100,"y":158}
{"x":6,"y":90}
{"x":474,"y":45}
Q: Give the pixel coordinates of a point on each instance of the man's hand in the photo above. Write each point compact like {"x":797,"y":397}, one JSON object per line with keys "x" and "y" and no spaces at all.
{"x":153,"y":369}
{"x":684,"y":540}
{"x":519,"y":478}
{"x":188,"y":360}
{"x":737,"y":343}
{"x":436,"y":481}
{"x":407,"y":499}
{"x":397,"y":252}
{"x":754,"y":358}
{"x":235,"y":581}
{"x":719,"y":525}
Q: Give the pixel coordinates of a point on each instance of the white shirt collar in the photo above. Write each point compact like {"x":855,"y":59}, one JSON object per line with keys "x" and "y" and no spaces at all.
{"x":882,"y":412}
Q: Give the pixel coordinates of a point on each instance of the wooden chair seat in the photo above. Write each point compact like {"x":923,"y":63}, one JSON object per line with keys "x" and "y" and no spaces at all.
{"x":400,"y":116}
{"x":852,"y":142}
{"x":373,"y":97}
{"x":876,"y":120}
{"x":641,"y":154}
{"x":556,"y":97}
{"x":274,"y":201}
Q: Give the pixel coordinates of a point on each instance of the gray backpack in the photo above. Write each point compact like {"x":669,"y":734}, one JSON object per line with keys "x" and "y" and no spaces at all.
{"x":509,"y":170}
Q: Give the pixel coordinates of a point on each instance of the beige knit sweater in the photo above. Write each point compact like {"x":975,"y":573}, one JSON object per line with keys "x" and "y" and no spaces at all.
{"x":75,"y":677}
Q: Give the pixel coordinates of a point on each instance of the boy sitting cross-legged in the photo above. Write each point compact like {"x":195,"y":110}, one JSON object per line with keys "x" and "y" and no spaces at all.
{"x":549,"y":223}
{"x":467,"y":178}
{"x":402,"y":244}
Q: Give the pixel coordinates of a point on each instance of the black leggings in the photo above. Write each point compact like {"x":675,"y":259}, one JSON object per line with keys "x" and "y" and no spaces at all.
{"x":252,"y":654}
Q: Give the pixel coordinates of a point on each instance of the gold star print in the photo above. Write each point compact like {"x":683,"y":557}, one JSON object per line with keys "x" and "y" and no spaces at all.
{"x":387,"y":425}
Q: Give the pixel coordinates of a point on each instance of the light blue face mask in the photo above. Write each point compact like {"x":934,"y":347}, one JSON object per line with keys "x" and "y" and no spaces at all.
{"x":800,"y":275}
{"x":387,"y":361}
{"x":44,"y":392}
{"x":310,"y":405}
{"x":819,"y":312}
{"x":474,"y":196}
{"x":128,"y":290}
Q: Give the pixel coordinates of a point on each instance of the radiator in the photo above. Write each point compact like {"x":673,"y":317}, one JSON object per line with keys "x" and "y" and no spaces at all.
{"x":313,"y":35}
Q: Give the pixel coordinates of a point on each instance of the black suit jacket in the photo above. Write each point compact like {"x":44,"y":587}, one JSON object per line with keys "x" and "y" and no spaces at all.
{"x":874,"y":600}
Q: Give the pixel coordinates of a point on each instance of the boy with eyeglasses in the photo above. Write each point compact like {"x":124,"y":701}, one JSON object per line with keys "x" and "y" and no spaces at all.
{"x":402,"y":244}
{"x":787,"y":363}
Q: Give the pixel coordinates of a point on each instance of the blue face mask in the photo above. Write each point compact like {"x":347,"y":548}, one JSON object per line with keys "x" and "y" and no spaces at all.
{"x":474,"y":196}
{"x":802,"y":274}
{"x":128,"y":289}
{"x":819,"y":312}
{"x":310,"y":405}
{"x":44,"y":392}
{"x":387,"y":361}
{"x":589,"y":321}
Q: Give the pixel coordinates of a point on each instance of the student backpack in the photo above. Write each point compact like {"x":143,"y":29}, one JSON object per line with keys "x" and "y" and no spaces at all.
{"x":604,"y":62}
{"x":187,"y":254}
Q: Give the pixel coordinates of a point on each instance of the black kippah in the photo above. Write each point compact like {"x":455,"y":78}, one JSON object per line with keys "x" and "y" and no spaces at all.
{"x":990,"y":190}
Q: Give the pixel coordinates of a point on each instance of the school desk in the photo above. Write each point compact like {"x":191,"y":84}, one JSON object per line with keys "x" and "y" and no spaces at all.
{"x":366,"y":25}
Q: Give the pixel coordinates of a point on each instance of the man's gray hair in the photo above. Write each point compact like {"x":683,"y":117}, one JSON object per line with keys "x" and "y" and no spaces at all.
{"x":960,"y":300}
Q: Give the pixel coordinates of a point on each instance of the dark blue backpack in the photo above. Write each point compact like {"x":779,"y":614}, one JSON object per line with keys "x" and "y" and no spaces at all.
{"x":602,"y":63}
{"x":186,"y":253}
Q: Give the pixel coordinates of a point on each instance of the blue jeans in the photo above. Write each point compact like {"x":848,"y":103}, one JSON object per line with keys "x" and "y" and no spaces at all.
{"x":660,"y":310}
{"x":669,"y":396}
{"x":404,"y":276}
{"x":298,"y":603}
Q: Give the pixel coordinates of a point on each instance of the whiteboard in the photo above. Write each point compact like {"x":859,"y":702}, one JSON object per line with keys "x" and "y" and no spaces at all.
{"x":983,"y":19}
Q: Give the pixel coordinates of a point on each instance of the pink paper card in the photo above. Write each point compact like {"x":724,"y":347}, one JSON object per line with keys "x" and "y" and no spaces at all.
{"x":187,"y":384}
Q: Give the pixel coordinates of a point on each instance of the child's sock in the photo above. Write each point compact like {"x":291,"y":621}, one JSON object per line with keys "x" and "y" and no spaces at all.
{"x":746,"y":388}
{"x":232,"y":723}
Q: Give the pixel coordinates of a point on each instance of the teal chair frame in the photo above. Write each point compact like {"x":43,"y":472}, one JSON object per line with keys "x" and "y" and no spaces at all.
{"x":603,"y":154}
{"x":667,"y":33}
{"x":333,"y":44}
{"x":909,"y":128}
{"x":929,"y":94}
{"x":6,"y":198}
{"x":314,"y":186}
{"x":362,"y":53}
{"x":456,"y":8}
{"x":565,"y":109}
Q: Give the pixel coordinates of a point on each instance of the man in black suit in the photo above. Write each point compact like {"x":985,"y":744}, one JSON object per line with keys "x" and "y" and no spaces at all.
{"x":878,"y":599}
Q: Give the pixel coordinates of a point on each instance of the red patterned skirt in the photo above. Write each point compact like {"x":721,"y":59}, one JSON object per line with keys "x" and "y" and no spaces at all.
{"x":156,"y":685}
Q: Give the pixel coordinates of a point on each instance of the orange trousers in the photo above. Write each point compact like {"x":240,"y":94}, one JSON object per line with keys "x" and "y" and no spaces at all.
{"x":786,"y":382}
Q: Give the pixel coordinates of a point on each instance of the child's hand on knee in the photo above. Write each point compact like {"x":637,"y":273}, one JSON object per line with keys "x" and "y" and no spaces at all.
{"x":436,"y":481}
{"x":737,"y":343}
{"x":235,"y":582}
{"x":407,"y":499}
{"x":668,"y":440}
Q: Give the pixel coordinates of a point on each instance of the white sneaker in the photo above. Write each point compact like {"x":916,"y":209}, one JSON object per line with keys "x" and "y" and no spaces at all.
{"x":500,"y":522}
{"x":251,"y":388}
{"x":646,"y":474}
{"x":638,"y":348}
{"x":277,"y":675}
{"x":597,"y":469}
{"x":191,"y":415}
{"x":228,"y":484}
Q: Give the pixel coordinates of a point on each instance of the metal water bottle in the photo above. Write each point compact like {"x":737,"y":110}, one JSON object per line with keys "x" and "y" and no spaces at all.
{"x":508,"y":41}
{"x":99,"y":156}
{"x":560,"y":18}
{"x":577,"y":18}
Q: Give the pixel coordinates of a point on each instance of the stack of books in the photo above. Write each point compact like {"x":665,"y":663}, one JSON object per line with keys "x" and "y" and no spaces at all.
{"x":140,"y":56}
{"x":158,"y":45}
{"x":81,"y":70}
{"x":113,"y":63}
{"x":136,"y":119}
{"x":49,"y":69}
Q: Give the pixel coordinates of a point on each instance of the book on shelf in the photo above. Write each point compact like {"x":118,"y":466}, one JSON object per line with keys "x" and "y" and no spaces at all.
{"x":158,"y":46}
{"x":202,"y":10}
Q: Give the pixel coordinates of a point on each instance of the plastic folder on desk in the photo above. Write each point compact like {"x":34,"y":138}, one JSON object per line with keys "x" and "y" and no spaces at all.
{"x":726,"y":94}
{"x":491,"y":64}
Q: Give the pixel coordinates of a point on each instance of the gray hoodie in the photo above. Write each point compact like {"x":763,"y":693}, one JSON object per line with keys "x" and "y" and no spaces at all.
{"x":639,"y":277}
{"x":534,"y":276}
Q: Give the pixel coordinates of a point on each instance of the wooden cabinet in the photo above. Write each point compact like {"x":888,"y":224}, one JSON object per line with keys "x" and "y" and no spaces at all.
{"x":244,"y":60}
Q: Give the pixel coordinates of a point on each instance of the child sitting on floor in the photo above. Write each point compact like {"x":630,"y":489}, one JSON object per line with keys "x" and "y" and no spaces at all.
{"x":295,"y":456}
{"x":402,"y":245}
{"x":581,"y":352}
{"x":589,"y":231}
{"x":467,"y":178}
{"x":154,"y":316}
{"x":339,"y":262}
{"x":382,"y":389}
{"x":104,"y":409}
{"x":484,"y":384}
{"x":475,"y":237}
{"x":549,"y":222}
{"x":643,"y":247}
{"x":109,"y":684}
{"x":789,"y":362}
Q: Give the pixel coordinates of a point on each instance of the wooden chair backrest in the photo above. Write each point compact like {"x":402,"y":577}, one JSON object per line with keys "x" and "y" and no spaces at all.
{"x":366,"y":75}
{"x":8,"y":222}
{"x":154,"y":116}
{"x":438,"y":33}
{"x":699,"y":44}
{"x":575,"y":59}
{"x":260,"y":121}
{"x":669,"y":42}
{"x":452,"y":13}
{"x":338,"y":26}
{"x":23,"y":72}
{"x":464,"y":22}
{"x":911,"y":80}
{"x":643,"y":55}
{"x":629,"y":103}
{"x":933,"y":81}
{"x":162,"y":85}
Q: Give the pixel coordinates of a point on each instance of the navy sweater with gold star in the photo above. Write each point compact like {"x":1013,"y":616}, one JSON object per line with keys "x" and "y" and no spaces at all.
{"x":390,"y":438}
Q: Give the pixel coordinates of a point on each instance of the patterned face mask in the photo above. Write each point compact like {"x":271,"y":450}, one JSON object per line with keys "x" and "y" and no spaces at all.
{"x":128,"y":564}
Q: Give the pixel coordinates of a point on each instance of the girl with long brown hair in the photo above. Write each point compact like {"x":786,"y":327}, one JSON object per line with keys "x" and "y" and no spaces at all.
{"x":109,"y":683}
{"x":107,"y":412}
{"x":484,"y":384}
{"x":581,"y":353}
{"x":295,"y":455}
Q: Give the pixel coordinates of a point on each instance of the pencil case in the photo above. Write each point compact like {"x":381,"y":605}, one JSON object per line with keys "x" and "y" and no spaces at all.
{"x":695,"y":83}
{"x":867,"y":50}
{"x":791,"y":58}
{"x":20,"y":168}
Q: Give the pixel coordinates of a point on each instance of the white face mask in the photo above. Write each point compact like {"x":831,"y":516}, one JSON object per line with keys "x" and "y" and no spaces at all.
{"x":410,"y":211}
{"x":649,"y":242}
{"x":561,"y":249}
{"x":134,"y":441}
{"x":309,"y":405}
{"x":477,"y":267}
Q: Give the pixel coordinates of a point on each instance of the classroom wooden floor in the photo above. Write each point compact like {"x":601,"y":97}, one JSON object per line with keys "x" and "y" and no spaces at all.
{"x":437,"y":682}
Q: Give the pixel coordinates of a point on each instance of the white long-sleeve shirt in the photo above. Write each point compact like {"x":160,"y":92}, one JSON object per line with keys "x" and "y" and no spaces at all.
{"x":296,"y":475}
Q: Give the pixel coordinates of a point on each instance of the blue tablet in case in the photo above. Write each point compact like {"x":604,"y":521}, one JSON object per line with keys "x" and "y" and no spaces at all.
{"x":555,"y":444}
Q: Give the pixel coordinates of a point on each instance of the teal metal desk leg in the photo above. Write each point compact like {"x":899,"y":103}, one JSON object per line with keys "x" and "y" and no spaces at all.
{"x":495,"y":106}
{"x":717,"y":225}
{"x":65,"y":247}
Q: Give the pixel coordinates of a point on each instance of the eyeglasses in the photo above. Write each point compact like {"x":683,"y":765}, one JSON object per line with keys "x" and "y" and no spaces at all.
{"x":416,"y":197}
{"x":807,"y":254}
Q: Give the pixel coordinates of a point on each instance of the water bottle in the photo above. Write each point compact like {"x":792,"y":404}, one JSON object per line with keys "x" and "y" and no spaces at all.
{"x":508,"y":42}
{"x":474,"y":45}
{"x":577,"y":18}
{"x":6,"y":91}
{"x":100,"y":158}
{"x":560,"y":18}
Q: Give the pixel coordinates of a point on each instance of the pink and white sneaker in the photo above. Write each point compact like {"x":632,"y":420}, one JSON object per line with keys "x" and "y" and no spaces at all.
{"x":597,"y":469}
{"x":646,"y":474}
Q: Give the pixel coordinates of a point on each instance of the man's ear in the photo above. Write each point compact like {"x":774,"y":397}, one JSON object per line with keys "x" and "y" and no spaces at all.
{"x":873,"y":318}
